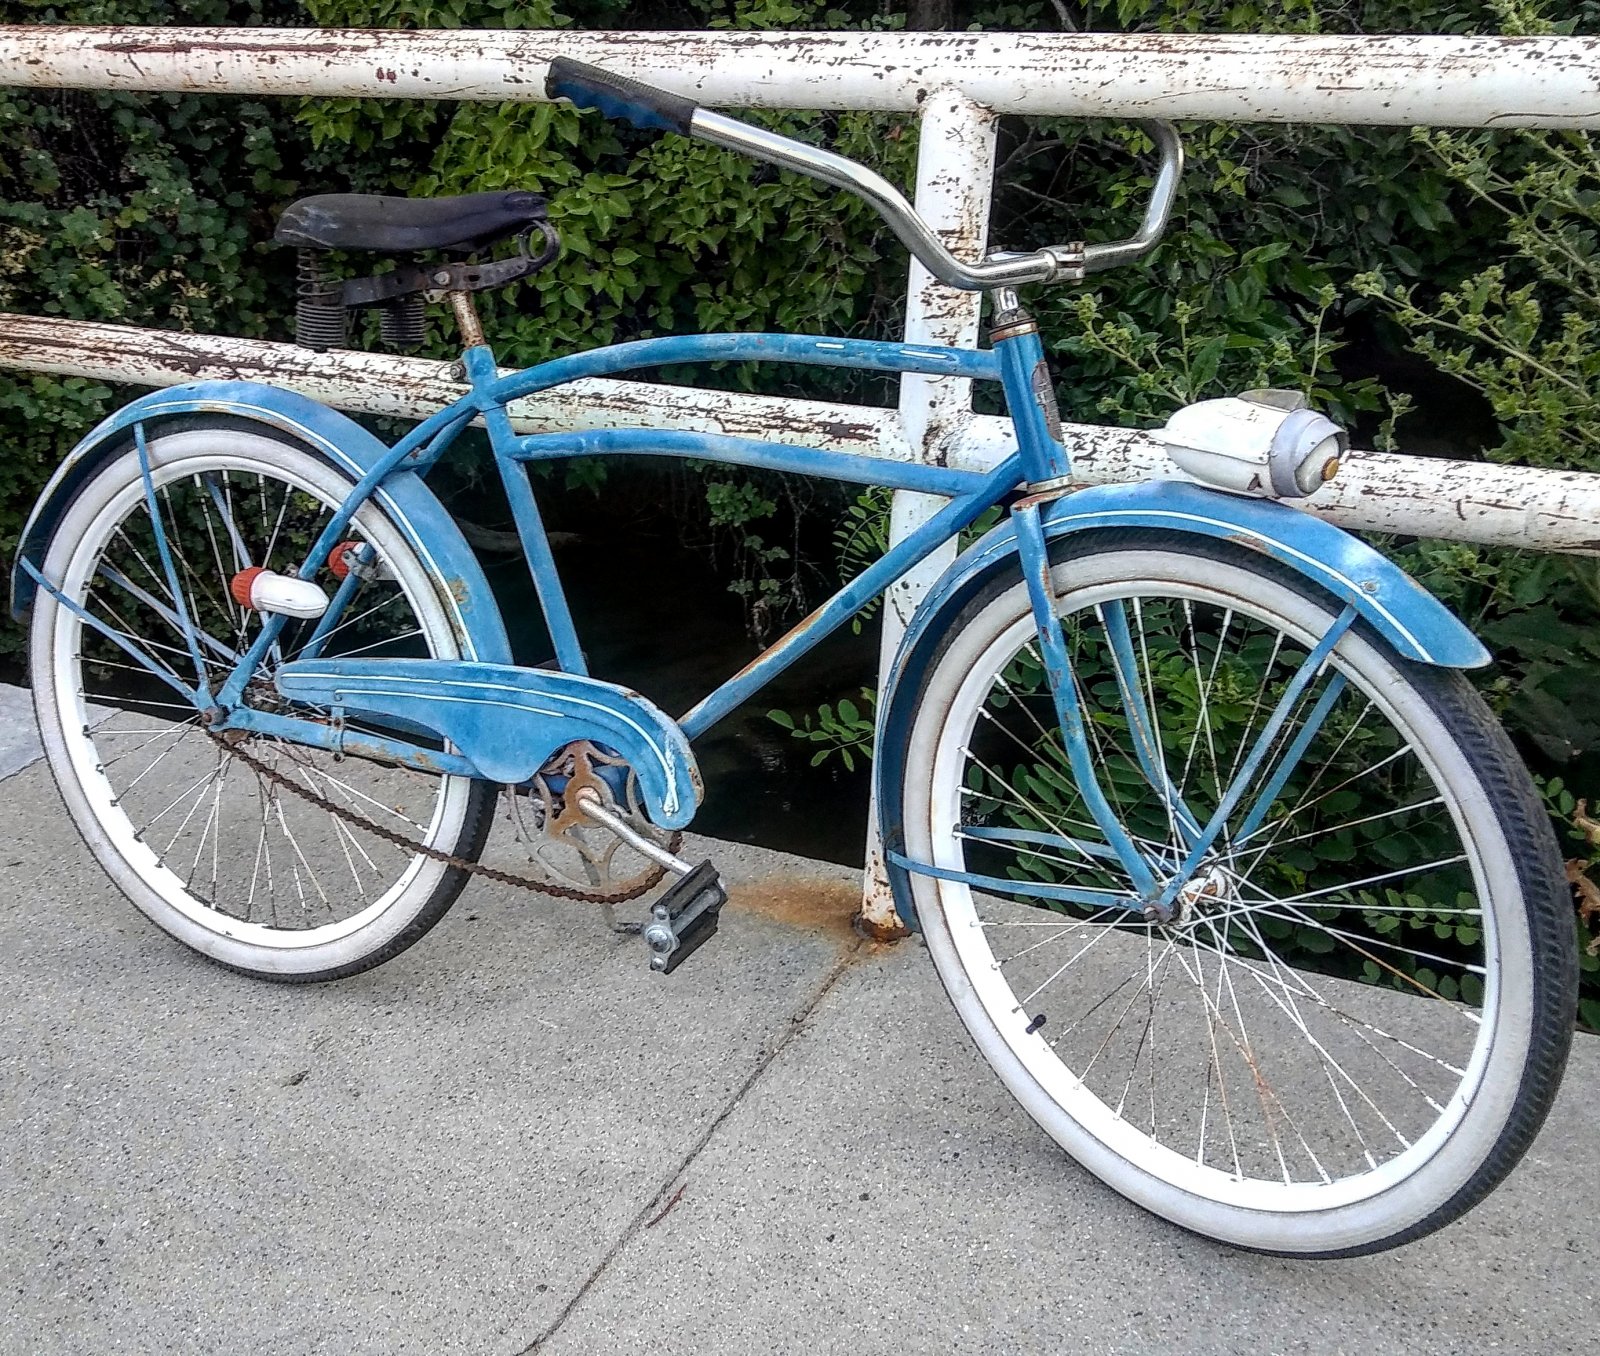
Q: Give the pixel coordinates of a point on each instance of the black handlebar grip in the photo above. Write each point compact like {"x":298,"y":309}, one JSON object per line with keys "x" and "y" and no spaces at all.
{"x":644,"y":106}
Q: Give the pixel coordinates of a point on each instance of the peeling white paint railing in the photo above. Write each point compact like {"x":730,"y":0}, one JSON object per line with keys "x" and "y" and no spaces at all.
{"x":957,"y":82}
{"x":1375,"y":492}
{"x":1236,"y":77}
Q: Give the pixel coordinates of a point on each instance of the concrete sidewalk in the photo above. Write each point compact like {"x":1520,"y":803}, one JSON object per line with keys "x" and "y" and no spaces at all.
{"x":515,"y":1138}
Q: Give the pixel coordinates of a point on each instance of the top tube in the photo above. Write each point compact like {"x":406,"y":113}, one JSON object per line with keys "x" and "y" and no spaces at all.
{"x":873,"y":355}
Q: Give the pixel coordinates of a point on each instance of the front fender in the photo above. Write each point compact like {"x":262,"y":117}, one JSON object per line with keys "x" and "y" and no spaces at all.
{"x":1400,"y":609}
{"x":1395,"y":605}
{"x":404,"y":496}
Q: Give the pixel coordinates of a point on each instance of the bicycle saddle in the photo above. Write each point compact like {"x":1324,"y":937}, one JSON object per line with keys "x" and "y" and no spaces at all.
{"x":369,"y":221}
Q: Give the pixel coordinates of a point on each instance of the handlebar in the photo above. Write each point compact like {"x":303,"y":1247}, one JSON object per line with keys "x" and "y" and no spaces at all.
{"x":650,"y":109}
{"x":630,"y":101}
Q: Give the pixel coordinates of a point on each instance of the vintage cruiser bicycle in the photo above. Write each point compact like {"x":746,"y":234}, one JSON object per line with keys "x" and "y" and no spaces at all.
{"x":1229,"y":873}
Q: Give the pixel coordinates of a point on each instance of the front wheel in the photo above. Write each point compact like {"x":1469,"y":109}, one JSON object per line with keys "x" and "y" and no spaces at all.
{"x":272,"y":858}
{"x":1355,"y":1018}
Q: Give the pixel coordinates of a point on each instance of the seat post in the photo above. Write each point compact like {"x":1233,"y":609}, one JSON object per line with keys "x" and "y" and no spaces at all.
{"x":467,"y":319}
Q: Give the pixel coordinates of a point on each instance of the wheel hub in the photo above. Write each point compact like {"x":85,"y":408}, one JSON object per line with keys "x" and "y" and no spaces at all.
{"x":1205,"y":891}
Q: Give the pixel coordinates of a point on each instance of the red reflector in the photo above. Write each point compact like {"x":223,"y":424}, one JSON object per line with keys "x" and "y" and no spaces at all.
{"x":339,"y":558}
{"x":242,"y":584}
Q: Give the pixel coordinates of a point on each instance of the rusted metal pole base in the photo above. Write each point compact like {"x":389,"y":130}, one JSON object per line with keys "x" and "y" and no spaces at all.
{"x":891,"y":930}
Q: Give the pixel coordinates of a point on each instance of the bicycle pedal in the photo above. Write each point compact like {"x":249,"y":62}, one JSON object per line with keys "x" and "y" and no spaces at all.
{"x":685,"y":918}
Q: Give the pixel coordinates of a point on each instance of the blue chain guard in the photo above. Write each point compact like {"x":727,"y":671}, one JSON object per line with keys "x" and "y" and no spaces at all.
{"x":507,"y":721}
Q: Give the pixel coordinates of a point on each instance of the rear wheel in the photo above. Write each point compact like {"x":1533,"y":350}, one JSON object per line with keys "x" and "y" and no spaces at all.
{"x":228,"y":859}
{"x":1357,"y":1017}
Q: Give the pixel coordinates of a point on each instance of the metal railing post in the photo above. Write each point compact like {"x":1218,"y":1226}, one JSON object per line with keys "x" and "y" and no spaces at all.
{"x":955,"y":182}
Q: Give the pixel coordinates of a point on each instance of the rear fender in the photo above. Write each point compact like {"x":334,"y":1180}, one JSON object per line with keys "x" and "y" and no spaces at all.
{"x":404,"y":496}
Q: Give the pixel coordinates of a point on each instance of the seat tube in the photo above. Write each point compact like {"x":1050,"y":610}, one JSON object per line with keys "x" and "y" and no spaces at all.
{"x":1030,"y":392}
{"x":482,"y":372}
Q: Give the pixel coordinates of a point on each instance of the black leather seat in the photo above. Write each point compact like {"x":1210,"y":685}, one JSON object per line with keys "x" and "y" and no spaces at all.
{"x":368,"y":221}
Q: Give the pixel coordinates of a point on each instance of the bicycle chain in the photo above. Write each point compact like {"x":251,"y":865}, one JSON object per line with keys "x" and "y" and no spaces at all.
{"x":649,"y":881}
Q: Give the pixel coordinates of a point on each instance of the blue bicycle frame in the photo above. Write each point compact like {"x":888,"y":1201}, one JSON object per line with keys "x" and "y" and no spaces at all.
{"x":517,"y":717}
{"x":1041,"y":456}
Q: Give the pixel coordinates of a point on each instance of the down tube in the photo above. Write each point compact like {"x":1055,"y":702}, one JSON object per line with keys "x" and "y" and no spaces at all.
{"x":827,"y":619}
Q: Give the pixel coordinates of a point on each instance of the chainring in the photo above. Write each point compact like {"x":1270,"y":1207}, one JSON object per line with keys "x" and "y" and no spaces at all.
{"x":574,"y":847}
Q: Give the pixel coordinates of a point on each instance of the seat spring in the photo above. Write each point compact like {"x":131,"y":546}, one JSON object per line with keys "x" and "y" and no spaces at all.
{"x":320,"y":319}
{"x":403,"y":323}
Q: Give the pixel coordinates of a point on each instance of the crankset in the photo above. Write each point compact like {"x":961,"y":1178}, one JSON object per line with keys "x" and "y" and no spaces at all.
{"x":585,"y":799}
{"x":608,"y":860}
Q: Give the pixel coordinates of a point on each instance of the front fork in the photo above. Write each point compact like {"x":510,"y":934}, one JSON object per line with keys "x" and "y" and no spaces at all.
{"x":1031,"y":400}
{"x":1272,"y":756}
{"x":1035,"y":558}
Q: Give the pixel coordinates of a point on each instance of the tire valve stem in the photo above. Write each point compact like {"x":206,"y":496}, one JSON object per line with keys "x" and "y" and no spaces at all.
{"x":1034,"y":1025}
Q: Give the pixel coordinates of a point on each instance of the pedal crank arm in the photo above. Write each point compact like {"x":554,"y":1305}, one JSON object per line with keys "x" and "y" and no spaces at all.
{"x":588,"y":804}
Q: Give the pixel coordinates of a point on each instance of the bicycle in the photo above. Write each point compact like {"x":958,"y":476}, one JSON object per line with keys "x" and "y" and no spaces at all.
{"x":1229,"y":873}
